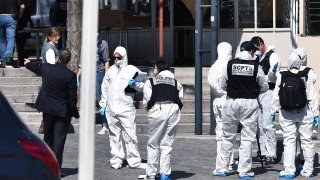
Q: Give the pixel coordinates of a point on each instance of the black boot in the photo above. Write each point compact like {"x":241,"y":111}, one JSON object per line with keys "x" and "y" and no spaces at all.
{"x":10,"y":59}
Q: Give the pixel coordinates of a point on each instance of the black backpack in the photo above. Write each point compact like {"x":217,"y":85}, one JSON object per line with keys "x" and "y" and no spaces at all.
{"x":292,"y":93}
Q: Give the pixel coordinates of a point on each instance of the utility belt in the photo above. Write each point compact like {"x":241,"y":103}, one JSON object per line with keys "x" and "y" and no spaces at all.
{"x":165,"y":102}
{"x":271,"y":85}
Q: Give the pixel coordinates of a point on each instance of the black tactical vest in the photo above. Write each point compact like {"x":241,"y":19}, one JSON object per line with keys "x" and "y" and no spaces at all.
{"x":265,"y":64}
{"x":164,"y":89}
{"x":242,"y":75}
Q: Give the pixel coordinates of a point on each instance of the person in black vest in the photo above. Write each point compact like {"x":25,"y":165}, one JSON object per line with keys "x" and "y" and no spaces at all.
{"x":243,"y":79}
{"x":297,"y":121}
{"x":57,"y":100}
{"x":162,"y":97}
{"x":270,"y":63}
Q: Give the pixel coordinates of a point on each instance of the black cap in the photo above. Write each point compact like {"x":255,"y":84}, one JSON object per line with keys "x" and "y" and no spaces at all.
{"x":247,"y":46}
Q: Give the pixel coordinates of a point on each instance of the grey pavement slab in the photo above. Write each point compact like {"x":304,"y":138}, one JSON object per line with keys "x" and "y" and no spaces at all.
{"x":193,"y":158}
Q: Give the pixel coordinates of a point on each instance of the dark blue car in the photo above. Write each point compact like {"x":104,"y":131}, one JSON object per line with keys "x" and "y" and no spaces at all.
{"x":22,"y":154}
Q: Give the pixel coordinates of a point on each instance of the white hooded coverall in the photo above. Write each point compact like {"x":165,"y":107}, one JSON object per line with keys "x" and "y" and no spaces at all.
{"x":244,"y":111}
{"x":163,"y":119}
{"x":268,"y":140}
{"x":120,"y":111}
{"x":297,"y":121}
{"x":301,"y":52}
{"x":224,"y":50}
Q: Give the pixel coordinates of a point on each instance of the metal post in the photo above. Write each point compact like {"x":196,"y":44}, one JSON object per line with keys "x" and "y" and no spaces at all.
{"x":153,"y":27}
{"x":161,"y":29}
{"x":87,"y":99}
{"x":293,"y":23}
{"x":172,"y":32}
{"x":198,"y":68}
{"x":214,"y":43}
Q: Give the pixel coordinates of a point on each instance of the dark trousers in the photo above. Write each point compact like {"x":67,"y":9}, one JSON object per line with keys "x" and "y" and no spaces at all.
{"x":21,"y":40}
{"x":55,"y":133}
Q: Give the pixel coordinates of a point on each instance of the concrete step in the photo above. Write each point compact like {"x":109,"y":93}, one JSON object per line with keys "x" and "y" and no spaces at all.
{"x":20,"y":81}
{"x":23,"y":107}
{"x":17,"y":99}
{"x":189,"y":71}
{"x":191,"y":95}
{"x":34,"y":116}
{"x":183,"y":111}
{"x":20,"y":89}
{"x":21,"y":98}
{"x":188,"y":104}
{"x":191,"y":80}
{"x":190,"y":88}
{"x":16,"y":72}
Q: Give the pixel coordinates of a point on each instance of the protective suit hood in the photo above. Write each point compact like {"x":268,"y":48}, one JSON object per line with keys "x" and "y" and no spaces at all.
{"x":303,"y":55}
{"x":244,"y":55}
{"x":224,"y":51}
{"x":166,"y":73}
{"x":123,"y":52}
{"x":294,"y":61}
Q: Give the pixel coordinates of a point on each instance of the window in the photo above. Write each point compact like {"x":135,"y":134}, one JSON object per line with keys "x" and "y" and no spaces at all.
{"x":264,"y":14}
{"x":226,"y":14}
{"x":283,"y":13}
{"x":255,"y":13}
{"x":246,"y":14}
{"x":312,"y":17}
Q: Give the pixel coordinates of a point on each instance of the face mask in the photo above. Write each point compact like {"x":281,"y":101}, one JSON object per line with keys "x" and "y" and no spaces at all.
{"x":118,"y":62}
{"x":258,"y":53}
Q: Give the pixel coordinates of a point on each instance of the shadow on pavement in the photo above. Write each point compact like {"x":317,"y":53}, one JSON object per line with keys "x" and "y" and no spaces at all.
{"x":181,"y":174}
{"x":68,"y":171}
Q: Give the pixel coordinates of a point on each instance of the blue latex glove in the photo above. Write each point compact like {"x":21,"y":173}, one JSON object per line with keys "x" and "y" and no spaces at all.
{"x":102,"y":111}
{"x":78,"y":81}
{"x":272,"y":119}
{"x":316,"y":121}
{"x":274,"y":68}
{"x":132,"y":83}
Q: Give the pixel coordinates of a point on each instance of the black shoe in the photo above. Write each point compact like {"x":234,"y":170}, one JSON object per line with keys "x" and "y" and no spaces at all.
{"x":2,"y":65}
{"x":269,"y":161}
{"x":10,"y":59}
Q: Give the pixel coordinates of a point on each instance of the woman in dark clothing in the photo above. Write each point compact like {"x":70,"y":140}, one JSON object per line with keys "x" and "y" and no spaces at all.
{"x":21,"y":38}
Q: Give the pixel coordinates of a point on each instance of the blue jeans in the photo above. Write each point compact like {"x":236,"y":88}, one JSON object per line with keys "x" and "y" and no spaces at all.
{"x":7,"y":33}
{"x":100,"y":76}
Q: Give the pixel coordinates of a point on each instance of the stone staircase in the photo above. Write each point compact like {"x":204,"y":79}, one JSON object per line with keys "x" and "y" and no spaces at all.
{"x":21,"y":88}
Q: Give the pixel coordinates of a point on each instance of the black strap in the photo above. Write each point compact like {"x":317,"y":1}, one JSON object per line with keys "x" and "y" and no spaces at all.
{"x":271,"y":85}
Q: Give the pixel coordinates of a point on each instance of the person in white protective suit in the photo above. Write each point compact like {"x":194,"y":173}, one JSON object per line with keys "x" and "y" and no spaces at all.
{"x":301,"y":52}
{"x":117,"y":104}
{"x":243,"y":79}
{"x":162,"y":97}
{"x":224,"y":50}
{"x":295,"y":121}
{"x":270,"y":62}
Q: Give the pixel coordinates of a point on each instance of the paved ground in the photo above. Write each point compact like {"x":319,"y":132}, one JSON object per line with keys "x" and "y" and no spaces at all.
{"x":193,"y":158}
